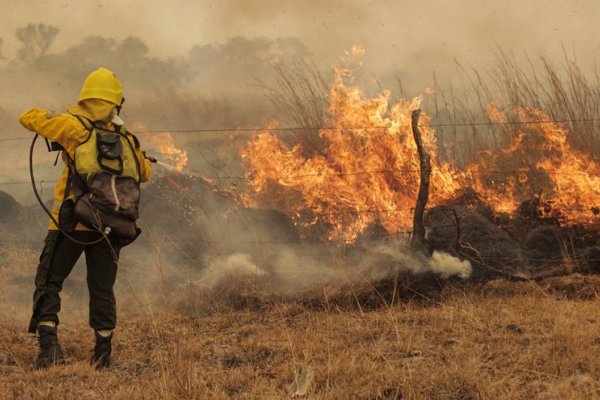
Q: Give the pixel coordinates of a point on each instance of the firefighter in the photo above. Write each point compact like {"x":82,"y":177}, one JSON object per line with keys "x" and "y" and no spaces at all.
{"x":96,"y":113}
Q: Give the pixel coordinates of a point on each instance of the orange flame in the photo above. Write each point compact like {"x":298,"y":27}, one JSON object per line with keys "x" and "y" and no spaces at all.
{"x":163,"y":144}
{"x":358,"y":50}
{"x":366,"y":171}
{"x":545,"y":166}
{"x":364,"y":174}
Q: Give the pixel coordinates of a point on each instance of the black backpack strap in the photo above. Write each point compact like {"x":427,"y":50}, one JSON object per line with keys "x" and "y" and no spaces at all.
{"x":136,"y":142}
{"x":69,"y":181}
{"x":68,"y":184}
{"x":80,"y":183}
{"x":136,"y":146}
{"x":89,"y":125}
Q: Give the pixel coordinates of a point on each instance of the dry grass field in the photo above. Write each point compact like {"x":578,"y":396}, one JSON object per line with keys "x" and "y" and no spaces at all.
{"x":401,"y":338}
{"x":391,"y":340}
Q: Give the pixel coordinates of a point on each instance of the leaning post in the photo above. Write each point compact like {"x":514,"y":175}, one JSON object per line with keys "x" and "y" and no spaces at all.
{"x":418,"y":231}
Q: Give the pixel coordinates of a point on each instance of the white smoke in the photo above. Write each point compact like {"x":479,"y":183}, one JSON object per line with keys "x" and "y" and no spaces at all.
{"x":237,"y":265}
{"x":296,"y":272}
{"x":405,"y":259}
{"x":292,"y":270}
{"x":447,"y":265}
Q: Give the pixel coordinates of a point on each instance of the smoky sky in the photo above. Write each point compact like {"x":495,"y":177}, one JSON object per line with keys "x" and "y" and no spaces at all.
{"x":412,"y":36}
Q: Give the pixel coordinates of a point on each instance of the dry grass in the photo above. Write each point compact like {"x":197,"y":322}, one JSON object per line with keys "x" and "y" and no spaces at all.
{"x":438,"y":340}
{"x":299,"y":99}
{"x":565,"y":90}
{"x":451,"y":341}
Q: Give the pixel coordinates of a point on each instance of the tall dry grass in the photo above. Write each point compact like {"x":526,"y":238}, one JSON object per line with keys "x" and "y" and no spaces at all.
{"x":564,"y":90}
{"x":298,"y":97}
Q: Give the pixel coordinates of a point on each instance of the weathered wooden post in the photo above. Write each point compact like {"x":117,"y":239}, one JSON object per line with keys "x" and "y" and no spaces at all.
{"x":418,"y":231}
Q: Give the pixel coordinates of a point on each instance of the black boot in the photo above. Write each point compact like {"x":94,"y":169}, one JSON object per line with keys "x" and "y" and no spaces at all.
{"x":101,"y":358}
{"x":50,"y":351}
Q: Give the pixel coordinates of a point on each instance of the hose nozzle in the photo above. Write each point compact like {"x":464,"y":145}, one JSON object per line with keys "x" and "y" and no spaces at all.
{"x":149,"y":158}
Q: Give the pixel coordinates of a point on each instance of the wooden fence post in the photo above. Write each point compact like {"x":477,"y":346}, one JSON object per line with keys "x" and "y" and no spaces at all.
{"x":418,"y":231}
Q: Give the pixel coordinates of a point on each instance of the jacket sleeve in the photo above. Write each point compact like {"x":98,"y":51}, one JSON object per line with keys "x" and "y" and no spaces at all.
{"x":58,"y":127}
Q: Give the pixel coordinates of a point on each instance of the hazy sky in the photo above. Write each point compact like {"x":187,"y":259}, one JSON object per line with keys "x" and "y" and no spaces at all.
{"x":399,"y":34}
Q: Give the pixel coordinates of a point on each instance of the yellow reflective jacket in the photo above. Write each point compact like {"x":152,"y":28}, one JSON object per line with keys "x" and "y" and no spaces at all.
{"x":69,"y":132}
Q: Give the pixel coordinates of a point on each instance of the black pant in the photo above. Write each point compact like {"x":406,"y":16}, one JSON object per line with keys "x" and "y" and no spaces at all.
{"x":56,"y":262}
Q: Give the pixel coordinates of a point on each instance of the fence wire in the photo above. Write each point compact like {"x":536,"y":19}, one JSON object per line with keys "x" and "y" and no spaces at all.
{"x":345,"y":128}
{"x":395,"y":172}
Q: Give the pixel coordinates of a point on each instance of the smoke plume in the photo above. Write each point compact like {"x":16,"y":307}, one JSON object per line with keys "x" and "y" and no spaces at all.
{"x":292,"y":271}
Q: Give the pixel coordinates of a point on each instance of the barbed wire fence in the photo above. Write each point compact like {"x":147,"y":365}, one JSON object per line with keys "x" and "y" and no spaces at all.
{"x":281,"y":130}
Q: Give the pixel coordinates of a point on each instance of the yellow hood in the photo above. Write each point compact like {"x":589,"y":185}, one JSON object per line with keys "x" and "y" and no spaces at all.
{"x":93,"y":109}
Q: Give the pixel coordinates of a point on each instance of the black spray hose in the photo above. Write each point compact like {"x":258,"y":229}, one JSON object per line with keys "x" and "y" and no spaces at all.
{"x":39,"y":199}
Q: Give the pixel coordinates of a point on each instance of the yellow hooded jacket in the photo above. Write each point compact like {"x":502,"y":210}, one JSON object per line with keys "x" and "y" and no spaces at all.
{"x":69,"y":132}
